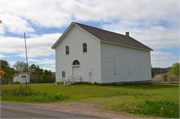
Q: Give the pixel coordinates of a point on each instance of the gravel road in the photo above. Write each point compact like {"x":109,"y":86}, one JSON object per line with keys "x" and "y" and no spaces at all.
{"x":15,"y":111}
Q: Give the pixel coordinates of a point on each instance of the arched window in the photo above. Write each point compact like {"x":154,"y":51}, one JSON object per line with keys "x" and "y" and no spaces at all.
{"x":67,"y":50}
{"x":76,"y":62}
{"x":84,"y":47}
{"x":63,"y":74}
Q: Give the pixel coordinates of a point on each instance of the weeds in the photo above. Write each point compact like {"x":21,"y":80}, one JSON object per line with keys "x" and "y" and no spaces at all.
{"x":164,"y":76}
{"x":131,"y":98}
{"x":151,"y":107}
{"x":29,"y":95}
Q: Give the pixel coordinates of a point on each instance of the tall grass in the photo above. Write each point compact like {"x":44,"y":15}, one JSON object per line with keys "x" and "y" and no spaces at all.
{"x":23,"y":94}
{"x":165,"y":108}
{"x":128,"y":98}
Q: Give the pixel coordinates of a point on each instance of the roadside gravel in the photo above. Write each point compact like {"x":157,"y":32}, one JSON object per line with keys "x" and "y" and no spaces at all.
{"x":78,"y":107}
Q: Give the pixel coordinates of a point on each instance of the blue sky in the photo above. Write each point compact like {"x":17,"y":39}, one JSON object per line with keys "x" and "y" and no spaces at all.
{"x":154,"y":23}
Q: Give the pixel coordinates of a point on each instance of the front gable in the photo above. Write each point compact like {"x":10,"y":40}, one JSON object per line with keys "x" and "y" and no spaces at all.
{"x":67,"y":32}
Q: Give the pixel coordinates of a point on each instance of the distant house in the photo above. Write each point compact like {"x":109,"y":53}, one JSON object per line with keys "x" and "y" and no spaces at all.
{"x":101,"y":56}
{"x":21,"y":77}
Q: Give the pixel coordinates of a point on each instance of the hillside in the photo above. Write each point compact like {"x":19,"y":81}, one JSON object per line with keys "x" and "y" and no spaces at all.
{"x":162,"y":70}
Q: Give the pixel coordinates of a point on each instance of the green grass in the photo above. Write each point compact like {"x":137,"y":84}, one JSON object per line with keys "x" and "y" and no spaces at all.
{"x":116,"y":98}
{"x":21,"y":93}
{"x":151,"y":107}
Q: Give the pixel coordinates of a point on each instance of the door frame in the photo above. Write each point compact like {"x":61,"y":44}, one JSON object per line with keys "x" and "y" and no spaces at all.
{"x":76,"y":66}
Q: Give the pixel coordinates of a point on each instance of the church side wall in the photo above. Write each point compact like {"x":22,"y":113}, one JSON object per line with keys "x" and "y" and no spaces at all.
{"x":88,"y":61}
{"x":123,"y":64}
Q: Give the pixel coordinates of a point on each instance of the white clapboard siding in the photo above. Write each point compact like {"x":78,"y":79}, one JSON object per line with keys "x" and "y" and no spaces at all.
{"x":18,"y":77}
{"x":90,"y":60}
{"x":131,"y":63}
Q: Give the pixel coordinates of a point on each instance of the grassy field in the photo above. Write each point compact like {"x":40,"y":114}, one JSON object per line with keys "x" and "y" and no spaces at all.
{"x":158,"y":100}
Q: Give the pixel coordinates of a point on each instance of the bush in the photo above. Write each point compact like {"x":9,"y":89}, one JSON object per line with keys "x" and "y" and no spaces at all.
{"x":171,"y":76}
{"x":17,"y":82}
{"x":153,"y":73}
{"x":164,"y":76}
{"x":175,"y":69}
{"x":2,"y":83}
{"x":60,"y":83}
{"x":81,"y":83}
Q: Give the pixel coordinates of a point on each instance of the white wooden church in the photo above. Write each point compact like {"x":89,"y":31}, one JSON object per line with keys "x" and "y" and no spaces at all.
{"x":101,"y":56}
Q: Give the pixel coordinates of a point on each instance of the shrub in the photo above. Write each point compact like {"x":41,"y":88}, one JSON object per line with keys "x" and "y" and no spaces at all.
{"x":17,"y":82}
{"x":60,"y":83}
{"x":81,"y":83}
{"x":153,"y":73}
{"x":164,"y":76}
{"x":175,"y":69}
{"x":95,"y":83}
{"x":171,"y":76}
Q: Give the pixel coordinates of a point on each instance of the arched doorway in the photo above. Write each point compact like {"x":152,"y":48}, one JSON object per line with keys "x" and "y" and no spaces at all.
{"x":76,"y":68}
{"x":76,"y":62}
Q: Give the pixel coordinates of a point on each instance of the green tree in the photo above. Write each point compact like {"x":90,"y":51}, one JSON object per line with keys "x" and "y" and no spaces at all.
{"x":4,"y":65}
{"x":47,"y":73}
{"x":153,"y":73}
{"x":33,"y":69}
{"x":175,"y":69}
{"x":40,"y":72}
{"x":7,"y":77}
{"x":20,"y":66}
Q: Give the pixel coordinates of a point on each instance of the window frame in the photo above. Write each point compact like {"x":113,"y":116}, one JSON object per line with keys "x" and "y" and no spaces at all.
{"x":84,"y":48}
{"x":67,"y":52}
{"x":63,"y":74}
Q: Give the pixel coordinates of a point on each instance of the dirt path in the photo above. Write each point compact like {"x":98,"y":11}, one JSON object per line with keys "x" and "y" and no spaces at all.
{"x":78,"y":107}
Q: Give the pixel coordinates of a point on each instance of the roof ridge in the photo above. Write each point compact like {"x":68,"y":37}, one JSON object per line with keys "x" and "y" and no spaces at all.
{"x":101,"y":29}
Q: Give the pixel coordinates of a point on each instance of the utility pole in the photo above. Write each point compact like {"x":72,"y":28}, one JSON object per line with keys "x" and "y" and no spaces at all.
{"x":27,"y":78}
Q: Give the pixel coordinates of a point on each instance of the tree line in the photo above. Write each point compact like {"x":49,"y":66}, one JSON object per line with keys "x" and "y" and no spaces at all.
{"x":173,"y":74}
{"x":37,"y":74}
{"x":162,"y":70}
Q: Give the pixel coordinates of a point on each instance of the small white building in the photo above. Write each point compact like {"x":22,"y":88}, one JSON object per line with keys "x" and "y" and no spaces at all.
{"x":21,"y":77}
{"x":101,"y":56}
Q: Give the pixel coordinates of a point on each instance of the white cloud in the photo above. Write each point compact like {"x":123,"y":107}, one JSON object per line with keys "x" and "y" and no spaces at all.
{"x":12,"y":63}
{"x":49,"y":68}
{"x":48,"y":64}
{"x":36,"y":46}
{"x":156,"y":37}
{"x":61,"y":13}
{"x":152,"y":23}
{"x":33,"y":60}
{"x":44,"y":61}
{"x":46,"y":14}
{"x":163,"y":59}
{"x":1,"y":56}
{"x":52,"y":65}
{"x":15,"y":24}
